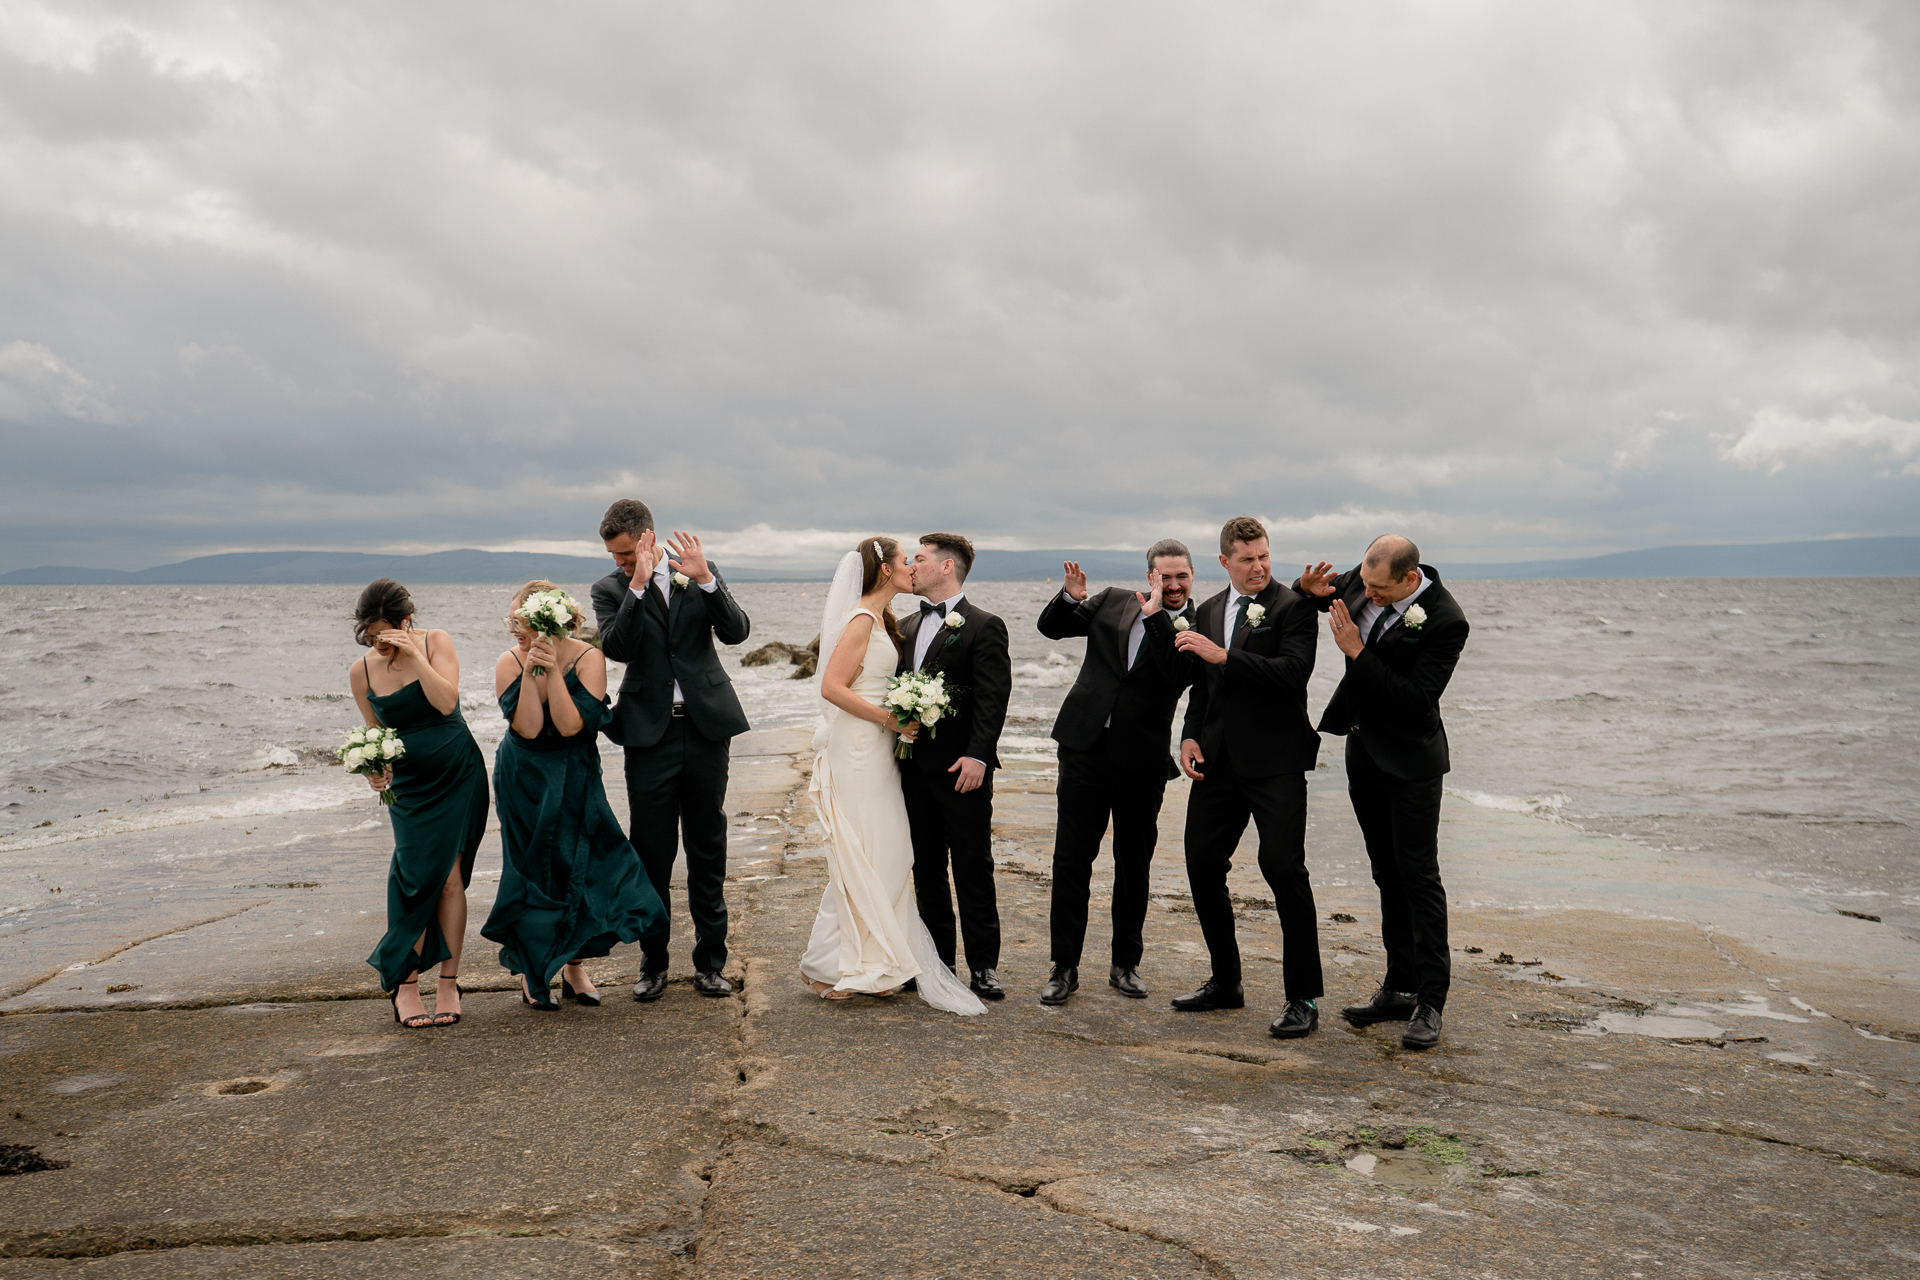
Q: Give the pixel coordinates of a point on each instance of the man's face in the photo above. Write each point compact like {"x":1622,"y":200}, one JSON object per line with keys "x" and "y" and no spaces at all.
{"x":1382,"y":587}
{"x":1248,"y":567}
{"x":622,"y":546}
{"x":1176,"y":581}
{"x":929,"y":567}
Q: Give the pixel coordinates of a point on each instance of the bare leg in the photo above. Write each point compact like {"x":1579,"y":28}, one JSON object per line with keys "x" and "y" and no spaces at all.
{"x":453,"y":927}
{"x":407,"y":1002}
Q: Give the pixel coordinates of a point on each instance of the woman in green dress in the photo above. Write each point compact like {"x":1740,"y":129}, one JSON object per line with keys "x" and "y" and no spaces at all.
{"x":570,"y":883}
{"x":439,"y":811}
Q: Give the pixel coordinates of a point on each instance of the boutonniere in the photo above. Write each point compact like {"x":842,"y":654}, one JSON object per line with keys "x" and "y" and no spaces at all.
{"x":1256,"y":614}
{"x":1180,"y":623}
{"x":680,"y":581}
{"x":1415,"y":617}
{"x":954,"y":622}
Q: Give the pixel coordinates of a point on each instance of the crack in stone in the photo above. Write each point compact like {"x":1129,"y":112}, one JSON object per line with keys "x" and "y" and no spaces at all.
{"x":18,"y":989}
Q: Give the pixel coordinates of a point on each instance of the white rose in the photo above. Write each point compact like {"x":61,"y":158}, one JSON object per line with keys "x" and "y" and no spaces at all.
{"x":354,"y":757}
{"x":954,"y":622}
{"x":1415,"y":616}
{"x":681,"y":579}
{"x":1181,"y":624}
{"x":931,"y":715}
{"x":1256,"y":614}
{"x":390,"y":749}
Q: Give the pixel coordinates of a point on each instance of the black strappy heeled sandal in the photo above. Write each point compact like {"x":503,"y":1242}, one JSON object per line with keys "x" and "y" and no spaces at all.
{"x":589,"y":999}
{"x":409,"y":1021}
{"x":451,"y":1018}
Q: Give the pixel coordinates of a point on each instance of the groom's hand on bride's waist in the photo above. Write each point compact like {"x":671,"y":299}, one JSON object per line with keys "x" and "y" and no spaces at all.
{"x":972,"y":773}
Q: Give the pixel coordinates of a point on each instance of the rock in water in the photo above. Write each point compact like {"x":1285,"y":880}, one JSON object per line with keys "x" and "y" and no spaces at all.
{"x":770,"y":653}
{"x":808,"y":664}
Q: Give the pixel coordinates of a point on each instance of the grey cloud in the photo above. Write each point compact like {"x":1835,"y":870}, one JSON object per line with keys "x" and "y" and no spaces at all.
{"x":1530,"y":280}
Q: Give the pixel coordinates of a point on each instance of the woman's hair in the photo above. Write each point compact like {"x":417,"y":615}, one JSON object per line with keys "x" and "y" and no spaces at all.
{"x":541,"y":584}
{"x":384,"y":600}
{"x":875,"y":553}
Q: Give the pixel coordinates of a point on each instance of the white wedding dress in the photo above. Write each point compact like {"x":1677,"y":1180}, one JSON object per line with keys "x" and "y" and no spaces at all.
{"x":868,"y":935}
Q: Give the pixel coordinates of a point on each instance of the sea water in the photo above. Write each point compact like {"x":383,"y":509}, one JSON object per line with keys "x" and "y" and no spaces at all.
{"x":1767,"y":721}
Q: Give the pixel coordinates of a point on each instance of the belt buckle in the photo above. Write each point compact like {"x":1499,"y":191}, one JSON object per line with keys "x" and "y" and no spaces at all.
{"x":680,"y":710}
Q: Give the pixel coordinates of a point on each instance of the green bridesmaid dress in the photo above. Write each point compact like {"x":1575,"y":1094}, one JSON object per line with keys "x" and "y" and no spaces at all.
{"x":439,"y":814}
{"x":571,"y":884}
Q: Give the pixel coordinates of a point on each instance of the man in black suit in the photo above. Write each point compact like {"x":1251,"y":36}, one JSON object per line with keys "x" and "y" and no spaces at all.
{"x":948,"y":780}
{"x":676,"y":717}
{"x":1402,"y":633}
{"x":1114,"y":729}
{"x":1248,"y":746}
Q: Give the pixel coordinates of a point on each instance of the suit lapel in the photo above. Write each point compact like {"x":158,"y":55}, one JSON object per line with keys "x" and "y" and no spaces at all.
{"x":1129,"y":614}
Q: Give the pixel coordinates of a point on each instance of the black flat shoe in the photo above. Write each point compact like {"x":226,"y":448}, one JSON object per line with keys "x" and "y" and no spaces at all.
{"x":588,"y":999}
{"x":1385,"y":1006}
{"x":1299,"y":1020}
{"x":710,"y":983}
{"x":986,"y":985}
{"x":1212,"y":995}
{"x":1061,"y":983}
{"x":652,"y":985}
{"x":449,"y":1018}
{"x":1127,"y":982}
{"x":413,"y":1022}
{"x":1423,"y":1029}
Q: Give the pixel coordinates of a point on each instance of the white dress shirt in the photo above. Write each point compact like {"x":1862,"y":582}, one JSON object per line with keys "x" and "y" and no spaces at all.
{"x":1134,"y":637}
{"x":1370,"y":612}
{"x":663,"y":572}
{"x":923,"y":639}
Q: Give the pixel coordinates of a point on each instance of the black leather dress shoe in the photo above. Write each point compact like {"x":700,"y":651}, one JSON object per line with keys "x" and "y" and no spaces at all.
{"x":710,"y":983}
{"x":1212,"y":995}
{"x":1423,"y":1029}
{"x":986,"y":985}
{"x":1127,"y":982}
{"x":1061,"y":983}
{"x":1385,"y":1006}
{"x":911,"y":984}
{"x":1299,"y":1020}
{"x":652,"y":985}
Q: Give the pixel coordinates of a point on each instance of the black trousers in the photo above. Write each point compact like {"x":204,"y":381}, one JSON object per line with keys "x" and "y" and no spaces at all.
{"x":1217,"y":813}
{"x":1092,"y":789}
{"x":1400,"y":821}
{"x":676,"y":794}
{"x":949,"y":827}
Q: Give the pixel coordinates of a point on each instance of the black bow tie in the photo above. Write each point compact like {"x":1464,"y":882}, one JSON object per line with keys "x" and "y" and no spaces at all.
{"x":927,"y":607}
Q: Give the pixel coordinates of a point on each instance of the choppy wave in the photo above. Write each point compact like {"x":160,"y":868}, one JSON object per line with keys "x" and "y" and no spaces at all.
{"x":296,"y":800}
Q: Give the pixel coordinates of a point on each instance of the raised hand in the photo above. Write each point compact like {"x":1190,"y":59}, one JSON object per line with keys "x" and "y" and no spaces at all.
{"x":688,"y":553}
{"x":403,"y":642}
{"x":1317,"y":579}
{"x":541,"y":655}
{"x":1076,"y":579}
{"x":1150,"y":598}
{"x":646,"y":554}
{"x":1346,"y":633}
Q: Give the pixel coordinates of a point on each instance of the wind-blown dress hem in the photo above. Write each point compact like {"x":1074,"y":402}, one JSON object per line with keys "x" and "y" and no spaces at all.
{"x":571,"y":884}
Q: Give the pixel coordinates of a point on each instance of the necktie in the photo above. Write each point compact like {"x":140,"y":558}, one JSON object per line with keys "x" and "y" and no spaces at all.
{"x":940,"y":609}
{"x":1239,"y":616}
{"x":1381,"y":623}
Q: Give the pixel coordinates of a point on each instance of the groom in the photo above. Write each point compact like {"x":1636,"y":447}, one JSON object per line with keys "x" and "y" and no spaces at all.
{"x":676,"y":716}
{"x":948,"y":780}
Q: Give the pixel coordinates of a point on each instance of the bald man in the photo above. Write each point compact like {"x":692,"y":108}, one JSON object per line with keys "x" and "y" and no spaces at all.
{"x":1402,"y":633}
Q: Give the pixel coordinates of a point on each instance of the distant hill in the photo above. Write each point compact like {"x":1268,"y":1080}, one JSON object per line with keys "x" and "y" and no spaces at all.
{"x":1840,"y":558}
{"x":1831,"y":558}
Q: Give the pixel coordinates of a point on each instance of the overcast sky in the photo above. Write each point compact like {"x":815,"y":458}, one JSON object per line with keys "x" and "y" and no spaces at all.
{"x":1516,"y":279}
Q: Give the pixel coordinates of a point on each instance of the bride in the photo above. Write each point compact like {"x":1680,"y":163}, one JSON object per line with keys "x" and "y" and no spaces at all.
{"x":868,"y":937}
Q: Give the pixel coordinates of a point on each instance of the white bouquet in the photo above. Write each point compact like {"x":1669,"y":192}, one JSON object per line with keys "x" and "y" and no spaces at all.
{"x":917,"y":696}
{"x":369,"y":752}
{"x":551,"y":613}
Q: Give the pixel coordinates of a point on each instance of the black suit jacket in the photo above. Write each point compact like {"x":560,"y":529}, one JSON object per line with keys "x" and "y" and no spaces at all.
{"x":1390,"y":695}
{"x":1133,"y":705}
{"x":1255,"y":704}
{"x":975,"y":659}
{"x":662,"y":641}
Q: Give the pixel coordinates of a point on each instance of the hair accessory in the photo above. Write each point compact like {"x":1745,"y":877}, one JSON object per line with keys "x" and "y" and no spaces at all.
{"x":877,"y":553}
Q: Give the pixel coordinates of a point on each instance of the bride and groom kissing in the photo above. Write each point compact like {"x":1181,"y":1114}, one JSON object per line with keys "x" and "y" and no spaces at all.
{"x":898,"y":827}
